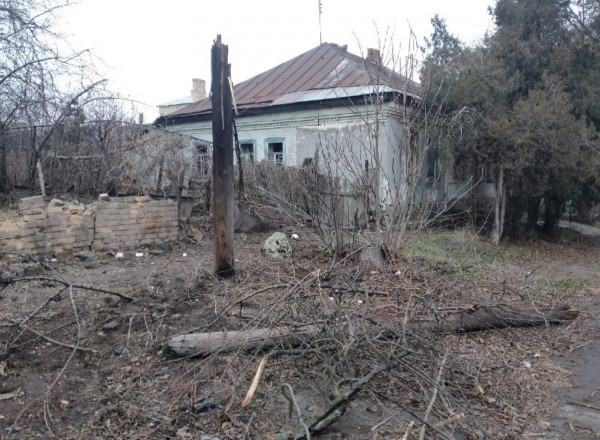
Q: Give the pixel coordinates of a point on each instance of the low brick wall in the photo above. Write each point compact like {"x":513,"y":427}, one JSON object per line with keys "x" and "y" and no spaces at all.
{"x":130,"y":222}
{"x":111,"y":224}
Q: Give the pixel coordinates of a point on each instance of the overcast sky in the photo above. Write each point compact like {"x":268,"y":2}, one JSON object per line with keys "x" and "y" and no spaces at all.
{"x":151,"y":49}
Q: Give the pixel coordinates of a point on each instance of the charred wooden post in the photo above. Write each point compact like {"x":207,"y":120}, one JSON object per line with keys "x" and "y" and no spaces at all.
{"x":222,"y":117}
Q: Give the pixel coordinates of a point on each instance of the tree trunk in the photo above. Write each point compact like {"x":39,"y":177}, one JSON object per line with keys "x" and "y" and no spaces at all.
{"x":34,"y":158}
{"x":41,"y":177}
{"x":470,"y":320}
{"x":248,"y":340}
{"x":3,"y":164}
{"x":552,"y":212}
{"x":533,"y":210}
{"x":481,"y":318}
{"x":499,"y":207}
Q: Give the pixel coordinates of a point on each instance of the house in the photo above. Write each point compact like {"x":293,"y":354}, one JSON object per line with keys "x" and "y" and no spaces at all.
{"x":353,"y":112}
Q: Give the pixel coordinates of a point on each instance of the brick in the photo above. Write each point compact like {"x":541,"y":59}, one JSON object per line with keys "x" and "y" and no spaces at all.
{"x":161,"y":203}
{"x":56,"y":203}
{"x":16,"y":234}
{"x":64,"y":241}
{"x":29,"y":202}
{"x":122,"y":199}
{"x":33,"y":217}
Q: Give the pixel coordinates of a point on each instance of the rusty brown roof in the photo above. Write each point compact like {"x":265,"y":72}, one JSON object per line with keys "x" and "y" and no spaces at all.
{"x":327,"y":66}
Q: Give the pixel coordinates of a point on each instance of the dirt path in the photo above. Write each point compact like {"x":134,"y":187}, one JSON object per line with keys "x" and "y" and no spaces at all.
{"x":578,"y":413}
{"x":587,"y":230}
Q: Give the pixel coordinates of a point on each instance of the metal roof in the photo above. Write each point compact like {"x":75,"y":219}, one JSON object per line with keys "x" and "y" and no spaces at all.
{"x":334,"y":93}
{"x":328,"y":72}
{"x":180,"y":101}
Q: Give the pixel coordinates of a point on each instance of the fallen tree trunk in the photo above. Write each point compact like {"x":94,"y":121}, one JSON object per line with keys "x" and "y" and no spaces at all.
{"x":247,"y":340}
{"x":479,"y":318}
{"x":476,"y":318}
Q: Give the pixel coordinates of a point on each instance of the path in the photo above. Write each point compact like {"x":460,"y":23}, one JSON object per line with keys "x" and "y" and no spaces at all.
{"x":578,"y":415}
{"x":582,"y":229}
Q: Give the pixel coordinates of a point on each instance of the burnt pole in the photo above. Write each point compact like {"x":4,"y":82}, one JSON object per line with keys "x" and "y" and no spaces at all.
{"x":222,"y":120}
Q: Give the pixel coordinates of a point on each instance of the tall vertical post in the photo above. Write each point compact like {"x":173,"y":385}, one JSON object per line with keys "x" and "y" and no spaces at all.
{"x":222,"y":119}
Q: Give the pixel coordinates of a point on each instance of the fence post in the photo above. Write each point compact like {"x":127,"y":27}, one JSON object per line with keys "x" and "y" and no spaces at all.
{"x":222,"y":117}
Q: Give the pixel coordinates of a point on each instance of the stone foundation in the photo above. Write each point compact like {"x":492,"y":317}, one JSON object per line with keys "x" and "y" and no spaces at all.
{"x":118,"y":223}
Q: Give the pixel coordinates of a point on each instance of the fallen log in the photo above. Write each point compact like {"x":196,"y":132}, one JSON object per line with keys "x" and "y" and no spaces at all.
{"x":480,"y":318}
{"x":247,"y":340}
{"x":471,"y":319}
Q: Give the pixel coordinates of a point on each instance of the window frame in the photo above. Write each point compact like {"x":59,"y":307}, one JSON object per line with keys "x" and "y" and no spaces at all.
{"x":276,"y":140}
{"x":202,"y":158}
{"x":253,"y":154}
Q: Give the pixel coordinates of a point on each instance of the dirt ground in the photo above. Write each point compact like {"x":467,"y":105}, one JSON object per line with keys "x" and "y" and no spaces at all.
{"x":500,"y":384}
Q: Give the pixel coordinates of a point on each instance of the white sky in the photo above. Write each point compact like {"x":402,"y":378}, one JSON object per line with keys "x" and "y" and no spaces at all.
{"x":151,"y":49}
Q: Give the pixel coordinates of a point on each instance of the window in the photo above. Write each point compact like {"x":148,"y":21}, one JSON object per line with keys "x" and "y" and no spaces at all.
{"x":275,"y":151}
{"x":247,"y":151}
{"x":202,"y":159}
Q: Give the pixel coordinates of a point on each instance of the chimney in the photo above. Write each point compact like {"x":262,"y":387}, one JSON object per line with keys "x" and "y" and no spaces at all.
{"x":373,"y":55}
{"x":198,"y":89}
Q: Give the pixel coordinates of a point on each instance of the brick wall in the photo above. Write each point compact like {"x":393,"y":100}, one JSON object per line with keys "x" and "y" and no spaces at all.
{"x":110,"y":224}
{"x":130,"y":222}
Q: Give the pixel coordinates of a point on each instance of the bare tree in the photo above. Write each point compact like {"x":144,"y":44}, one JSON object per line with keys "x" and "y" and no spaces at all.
{"x":40,"y":87}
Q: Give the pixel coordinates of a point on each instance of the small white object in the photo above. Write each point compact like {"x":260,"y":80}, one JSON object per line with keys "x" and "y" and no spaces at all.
{"x":119,"y":255}
{"x":398,"y":273}
{"x":527,"y":364}
{"x":295,"y":236}
{"x":139,"y":254}
{"x":537,"y":355}
{"x":54,"y":260}
{"x":373,"y":272}
{"x":184,"y":254}
{"x":360,"y":301}
{"x":331,"y":298}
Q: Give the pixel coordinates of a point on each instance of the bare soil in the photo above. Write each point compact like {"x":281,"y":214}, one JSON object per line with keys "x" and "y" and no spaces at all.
{"x":507,"y":384}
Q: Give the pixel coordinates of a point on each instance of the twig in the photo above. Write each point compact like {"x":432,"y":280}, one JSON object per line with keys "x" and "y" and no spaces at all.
{"x":409,"y":411}
{"x":384,"y":421}
{"x":585,"y":405}
{"x":14,"y":337}
{"x":47,"y":415}
{"x":74,"y":286}
{"x":49,"y":339}
{"x":433,"y":397}
{"x":408,"y":430}
{"x":45,"y":334}
{"x":345,"y":289}
{"x":226,"y":309}
{"x":287,"y":388}
{"x":339,"y":404}
{"x":254,"y":384}
{"x":443,"y":423}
